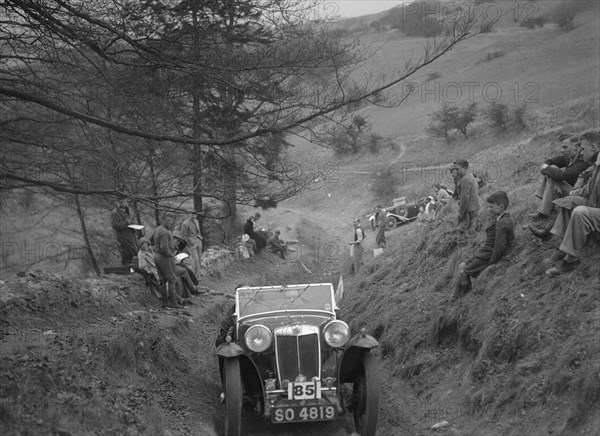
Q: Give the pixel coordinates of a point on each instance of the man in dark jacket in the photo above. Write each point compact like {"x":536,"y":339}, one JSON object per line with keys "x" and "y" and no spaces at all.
{"x":468,"y":202}
{"x":120,"y":219}
{"x":500,"y":234}
{"x":165,"y":256}
{"x":560,"y":174}
{"x":585,"y":191}
{"x":249,"y":230}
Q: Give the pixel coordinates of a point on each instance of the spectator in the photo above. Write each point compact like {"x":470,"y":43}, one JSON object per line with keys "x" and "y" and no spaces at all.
{"x":574,"y":234}
{"x":249,"y":230}
{"x":190,"y":232}
{"x":560,"y":174}
{"x":584,"y":221}
{"x":185,"y":286}
{"x":455,"y":179}
{"x":499,"y":236}
{"x":227,"y":328}
{"x":468,"y":203}
{"x":165,"y":257}
{"x":127,"y":239}
{"x":584,"y":193}
{"x":147,"y":267}
{"x":276,"y":245}
{"x":381,"y":222}
{"x":423,"y":217}
{"x":357,"y":250}
{"x":245,"y":246}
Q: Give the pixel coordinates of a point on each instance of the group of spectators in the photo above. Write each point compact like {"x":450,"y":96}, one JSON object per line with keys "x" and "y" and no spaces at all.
{"x":162,"y":258}
{"x":253,"y":242}
{"x":570,"y":199}
{"x":569,"y":209}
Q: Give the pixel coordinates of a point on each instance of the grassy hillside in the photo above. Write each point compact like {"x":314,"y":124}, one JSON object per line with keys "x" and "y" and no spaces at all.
{"x":518,"y":355}
{"x":554,"y":73}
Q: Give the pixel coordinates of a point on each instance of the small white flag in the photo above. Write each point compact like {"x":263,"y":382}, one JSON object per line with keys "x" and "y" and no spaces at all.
{"x":339,"y":292}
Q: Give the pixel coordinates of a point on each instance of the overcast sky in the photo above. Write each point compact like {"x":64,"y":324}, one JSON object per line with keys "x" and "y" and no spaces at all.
{"x":355,"y":8}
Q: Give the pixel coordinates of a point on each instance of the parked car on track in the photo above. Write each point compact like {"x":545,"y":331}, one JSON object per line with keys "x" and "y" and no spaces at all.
{"x":290,"y":359}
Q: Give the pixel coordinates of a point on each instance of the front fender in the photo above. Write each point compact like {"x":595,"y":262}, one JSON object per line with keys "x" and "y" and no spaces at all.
{"x":227,"y":351}
{"x":355,"y":349}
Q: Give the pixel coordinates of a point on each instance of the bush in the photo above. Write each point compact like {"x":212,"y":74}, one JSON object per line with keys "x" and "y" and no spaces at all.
{"x":433,"y":76}
{"x":563,"y":13}
{"x":450,"y":118}
{"x":415,"y":19}
{"x":494,"y":55}
{"x":352,"y":138}
{"x":519,"y":117}
{"x":384,"y":185}
{"x":497,"y":115}
{"x":533,"y":22}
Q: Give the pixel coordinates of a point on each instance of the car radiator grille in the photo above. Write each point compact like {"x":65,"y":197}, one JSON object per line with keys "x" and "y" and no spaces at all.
{"x":298,"y":355}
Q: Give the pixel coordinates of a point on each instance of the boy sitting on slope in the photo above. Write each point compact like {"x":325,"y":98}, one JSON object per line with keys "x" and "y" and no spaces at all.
{"x":499,"y":236}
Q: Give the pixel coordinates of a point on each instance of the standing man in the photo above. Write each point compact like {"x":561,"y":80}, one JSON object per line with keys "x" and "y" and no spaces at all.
{"x":165,"y":257}
{"x":120,"y":219}
{"x":468,"y":203}
{"x":381,"y":222}
{"x":357,"y":251}
{"x":190,"y":232}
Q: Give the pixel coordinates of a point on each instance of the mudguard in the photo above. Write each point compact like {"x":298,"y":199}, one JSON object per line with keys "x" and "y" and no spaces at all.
{"x":356,"y":347}
{"x":229,"y":350}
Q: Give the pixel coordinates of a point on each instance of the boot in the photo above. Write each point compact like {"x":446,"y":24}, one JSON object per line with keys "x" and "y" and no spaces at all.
{"x":543,"y":234}
{"x":173,"y":298}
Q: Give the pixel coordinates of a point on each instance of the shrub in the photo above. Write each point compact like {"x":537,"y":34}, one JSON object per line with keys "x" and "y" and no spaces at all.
{"x":415,"y":19}
{"x":519,"y":117}
{"x":533,"y":22}
{"x":353,"y":137}
{"x":384,"y":185}
{"x":563,"y":13}
{"x":494,"y":55}
{"x":433,"y":76}
{"x":497,"y":115}
{"x":500,"y":116}
{"x":450,"y":118}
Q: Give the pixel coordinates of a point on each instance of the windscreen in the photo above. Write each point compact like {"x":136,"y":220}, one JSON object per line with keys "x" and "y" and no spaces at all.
{"x":274,"y":298}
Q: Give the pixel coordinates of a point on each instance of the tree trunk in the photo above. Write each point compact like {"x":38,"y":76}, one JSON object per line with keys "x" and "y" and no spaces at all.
{"x":85,"y":235}
{"x":154,"y":184}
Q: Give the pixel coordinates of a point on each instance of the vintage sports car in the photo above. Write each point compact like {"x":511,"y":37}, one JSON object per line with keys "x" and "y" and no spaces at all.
{"x":290,"y":359}
{"x":404,"y":213}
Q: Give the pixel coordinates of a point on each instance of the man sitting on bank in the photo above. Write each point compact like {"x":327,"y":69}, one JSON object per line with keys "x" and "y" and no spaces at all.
{"x":560,"y":174}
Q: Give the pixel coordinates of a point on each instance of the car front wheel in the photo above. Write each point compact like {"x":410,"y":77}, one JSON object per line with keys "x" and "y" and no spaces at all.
{"x":233,"y":397}
{"x":391,"y":222}
{"x":365,"y":396}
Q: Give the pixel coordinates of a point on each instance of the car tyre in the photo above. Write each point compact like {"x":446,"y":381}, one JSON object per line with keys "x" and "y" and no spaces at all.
{"x":233,"y":397}
{"x":365,"y":396}
{"x":391,"y":223}
{"x":402,"y":211}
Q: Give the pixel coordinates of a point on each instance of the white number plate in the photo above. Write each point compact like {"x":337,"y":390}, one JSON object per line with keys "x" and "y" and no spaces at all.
{"x":299,"y":414}
{"x":304,"y":390}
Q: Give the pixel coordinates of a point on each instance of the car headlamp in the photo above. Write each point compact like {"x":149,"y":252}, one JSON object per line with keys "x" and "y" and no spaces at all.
{"x":336,"y":333}
{"x":258,"y":338}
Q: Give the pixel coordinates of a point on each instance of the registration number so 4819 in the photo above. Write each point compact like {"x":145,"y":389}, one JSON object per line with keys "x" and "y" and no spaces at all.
{"x":303,"y":413}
